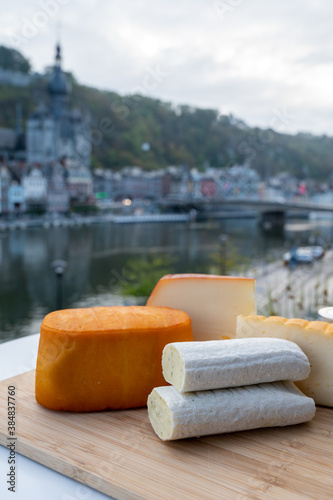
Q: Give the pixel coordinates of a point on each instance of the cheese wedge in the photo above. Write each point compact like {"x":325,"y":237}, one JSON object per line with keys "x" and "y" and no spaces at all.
{"x":193,"y":414}
{"x":315,"y":338}
{"x":104,"y":357}
{"x":212,"y":302}
{"x":216,"y":364}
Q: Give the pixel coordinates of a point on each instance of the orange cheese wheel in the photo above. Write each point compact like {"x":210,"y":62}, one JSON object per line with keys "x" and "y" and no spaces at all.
{"x":105,"y":357}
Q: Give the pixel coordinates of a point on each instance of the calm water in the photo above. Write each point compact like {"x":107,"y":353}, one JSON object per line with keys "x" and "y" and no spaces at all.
{"x":99,"y":255}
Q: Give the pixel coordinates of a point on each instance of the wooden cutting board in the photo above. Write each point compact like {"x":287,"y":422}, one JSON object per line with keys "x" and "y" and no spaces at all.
{"x":118,"y":453}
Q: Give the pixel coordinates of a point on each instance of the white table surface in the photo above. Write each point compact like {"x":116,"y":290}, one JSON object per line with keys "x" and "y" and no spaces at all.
{"x":34,"y":481}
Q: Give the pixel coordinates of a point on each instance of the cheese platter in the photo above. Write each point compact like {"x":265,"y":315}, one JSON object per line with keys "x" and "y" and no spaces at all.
{"x":118,"y":453}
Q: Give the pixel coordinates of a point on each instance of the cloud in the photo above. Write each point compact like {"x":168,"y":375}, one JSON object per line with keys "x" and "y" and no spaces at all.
{"x":256,"y":57}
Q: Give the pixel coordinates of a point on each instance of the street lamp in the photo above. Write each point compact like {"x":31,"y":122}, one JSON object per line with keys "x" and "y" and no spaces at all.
{"x":223,"y":239}
{"x":59,"y":267}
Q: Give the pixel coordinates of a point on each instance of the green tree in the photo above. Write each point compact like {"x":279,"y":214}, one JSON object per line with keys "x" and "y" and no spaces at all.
{"x":141,"y":275}
{"x":176,"y":134}
{"x":12,"y":59}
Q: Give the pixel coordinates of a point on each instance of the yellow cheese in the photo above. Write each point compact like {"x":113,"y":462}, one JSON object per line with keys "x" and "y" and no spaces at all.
{"x":212,"y":302}
{"x":96,"y":358}
{"x":315,"y":338}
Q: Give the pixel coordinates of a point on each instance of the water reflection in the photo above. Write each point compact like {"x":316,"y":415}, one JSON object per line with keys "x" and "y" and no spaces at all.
{"x":97,"y":254}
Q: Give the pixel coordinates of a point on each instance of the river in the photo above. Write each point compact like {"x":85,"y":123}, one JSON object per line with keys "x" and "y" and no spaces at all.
{"x":98,"y":258}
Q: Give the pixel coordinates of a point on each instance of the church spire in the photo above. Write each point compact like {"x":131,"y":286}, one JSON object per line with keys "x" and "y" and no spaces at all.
{"x":58,"y":86}
{"x":58,"y":55}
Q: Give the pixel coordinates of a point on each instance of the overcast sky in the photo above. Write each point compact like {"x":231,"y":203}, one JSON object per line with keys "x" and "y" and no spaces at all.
{"x":269,"y":62}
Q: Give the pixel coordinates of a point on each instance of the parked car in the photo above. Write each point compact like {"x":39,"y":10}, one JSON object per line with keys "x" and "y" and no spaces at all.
{"x":318,"y":251}
{"x":303,"y":255}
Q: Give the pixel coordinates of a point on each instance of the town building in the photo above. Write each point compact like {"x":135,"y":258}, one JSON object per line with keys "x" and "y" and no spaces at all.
{"x":54,"y":131}
{"x":79,"y":182}
{"x":5,"y":180}
{"x":57,"y":135}
{"x":16,"y":199}
{"x":34,"y":185}
{"x":48,"y":166}
{"x":58,"y":193}
{"x":138,"y":184}
{"x":104,"y":185}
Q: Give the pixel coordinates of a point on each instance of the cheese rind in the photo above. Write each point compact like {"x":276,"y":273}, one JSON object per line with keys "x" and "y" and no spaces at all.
{"x":104,"y":357}
{"x":212,"y":302}
{"x":216,"y":364}
{"x":177,"y":416}
{"x":315,"y":338}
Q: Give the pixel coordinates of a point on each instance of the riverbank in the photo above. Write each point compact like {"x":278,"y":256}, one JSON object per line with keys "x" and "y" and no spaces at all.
{"x":114,"y":218}
{"x":20,"y":222}
{"x":72,"y":221}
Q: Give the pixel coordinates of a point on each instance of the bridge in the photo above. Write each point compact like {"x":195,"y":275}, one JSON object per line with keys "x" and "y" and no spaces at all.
{"x":272,"y":213}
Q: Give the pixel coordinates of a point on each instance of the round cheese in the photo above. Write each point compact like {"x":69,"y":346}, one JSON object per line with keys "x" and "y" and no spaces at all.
{"x":104,"y":357}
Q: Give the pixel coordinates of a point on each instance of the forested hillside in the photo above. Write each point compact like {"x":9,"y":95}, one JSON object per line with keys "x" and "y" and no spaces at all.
{"x":176,"y":135}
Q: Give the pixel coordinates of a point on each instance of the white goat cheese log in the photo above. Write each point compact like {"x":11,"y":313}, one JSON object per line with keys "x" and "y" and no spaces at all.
{"x":216,"y":364}
{"x":193,"y":414}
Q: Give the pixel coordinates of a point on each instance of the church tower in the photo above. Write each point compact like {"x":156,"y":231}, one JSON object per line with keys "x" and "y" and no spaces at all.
{"x":58,"y":88}
{"x":54,"y":132}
